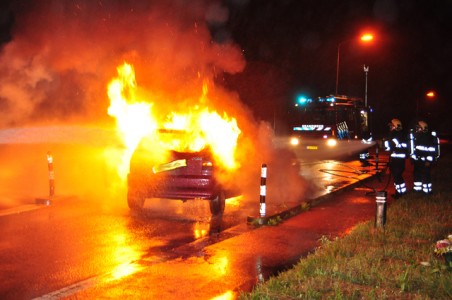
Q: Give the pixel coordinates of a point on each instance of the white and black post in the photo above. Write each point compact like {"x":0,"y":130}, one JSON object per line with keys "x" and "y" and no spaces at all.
{"x":263,"y":190}
{"x":48,"y":201}
{"x":380,"y":217}
{"x":51,"y":175}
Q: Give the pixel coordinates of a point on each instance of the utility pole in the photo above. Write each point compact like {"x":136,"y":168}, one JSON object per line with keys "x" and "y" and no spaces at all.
{"x":366,"y":70}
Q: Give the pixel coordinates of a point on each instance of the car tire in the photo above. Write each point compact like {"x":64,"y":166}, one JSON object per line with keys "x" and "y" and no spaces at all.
{"x":135,"y":200}
{"x":218,"y":203}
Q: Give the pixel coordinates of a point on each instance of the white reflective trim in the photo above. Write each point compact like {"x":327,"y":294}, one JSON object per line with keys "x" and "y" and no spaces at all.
{"x":425,"y":148}
{"x":263,"y":190}
{"x":411,"y":145}
{"x":264,"y":172}
{"x":262,"y":209}
{"x":400,"y":155}
{"x":387,"y":146}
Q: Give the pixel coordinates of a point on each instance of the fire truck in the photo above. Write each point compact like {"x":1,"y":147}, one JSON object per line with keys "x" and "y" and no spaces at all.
{"x":328,"y":127}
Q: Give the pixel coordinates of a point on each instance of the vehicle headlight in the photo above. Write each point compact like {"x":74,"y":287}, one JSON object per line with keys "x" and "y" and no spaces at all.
{"x":294,"y":141}
{"x":331,"y":142}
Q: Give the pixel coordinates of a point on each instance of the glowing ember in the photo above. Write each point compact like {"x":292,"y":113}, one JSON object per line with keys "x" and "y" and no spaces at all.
{"x":202,"y":127}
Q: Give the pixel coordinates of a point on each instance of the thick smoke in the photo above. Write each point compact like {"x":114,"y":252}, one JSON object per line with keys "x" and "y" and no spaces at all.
{"x":62,"y":55}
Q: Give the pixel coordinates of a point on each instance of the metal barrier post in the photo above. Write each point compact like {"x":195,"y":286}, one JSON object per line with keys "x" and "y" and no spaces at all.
{"x":51,"y":175}
{"x":263,"y":190}
{"x":380,"y":217}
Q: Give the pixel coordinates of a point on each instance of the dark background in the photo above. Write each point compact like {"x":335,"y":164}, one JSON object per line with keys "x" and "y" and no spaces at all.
{"x":291,"y":49}
{"x":291,"y":46}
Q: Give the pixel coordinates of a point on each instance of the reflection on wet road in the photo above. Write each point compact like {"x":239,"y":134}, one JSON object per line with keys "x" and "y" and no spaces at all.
{"x":331,"y":175}
{"x":89,"y":245}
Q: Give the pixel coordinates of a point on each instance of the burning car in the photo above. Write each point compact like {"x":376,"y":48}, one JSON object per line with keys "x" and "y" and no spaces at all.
{"x":173,"y":151}
{"x":159,"y":171}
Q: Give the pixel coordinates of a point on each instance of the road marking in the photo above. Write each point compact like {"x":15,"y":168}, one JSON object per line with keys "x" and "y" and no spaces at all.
{"x":19,"y":209}
{"x":93,"y":281}
{"x":71,"y":289}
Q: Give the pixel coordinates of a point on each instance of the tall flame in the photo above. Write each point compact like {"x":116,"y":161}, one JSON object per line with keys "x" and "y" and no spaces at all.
{"x":133,"y":117}
{"x":202,"y":126}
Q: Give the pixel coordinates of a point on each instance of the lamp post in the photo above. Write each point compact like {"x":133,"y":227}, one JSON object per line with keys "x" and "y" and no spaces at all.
{"x":366,"y":70}
{"x":364,"y":38}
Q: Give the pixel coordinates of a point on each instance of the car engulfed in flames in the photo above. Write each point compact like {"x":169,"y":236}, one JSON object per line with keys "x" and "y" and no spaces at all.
{"x":171,"y":154}
{"x":173,"y":175}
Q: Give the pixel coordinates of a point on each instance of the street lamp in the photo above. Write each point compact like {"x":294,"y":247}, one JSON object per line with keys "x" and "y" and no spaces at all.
{"x":365,"y":38}
{"x":366,"y":70}
{"x":430,"y":95}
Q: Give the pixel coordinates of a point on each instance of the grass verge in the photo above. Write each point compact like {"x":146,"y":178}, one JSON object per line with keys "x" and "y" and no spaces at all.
{"x":397,"y":262}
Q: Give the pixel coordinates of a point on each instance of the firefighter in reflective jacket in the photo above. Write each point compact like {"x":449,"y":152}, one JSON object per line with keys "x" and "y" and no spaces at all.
{"x":424,"y":150}
{"x":397,"y":145}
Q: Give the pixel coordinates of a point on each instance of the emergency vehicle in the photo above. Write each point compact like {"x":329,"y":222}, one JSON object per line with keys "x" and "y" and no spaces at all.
{"x":329,"y":127}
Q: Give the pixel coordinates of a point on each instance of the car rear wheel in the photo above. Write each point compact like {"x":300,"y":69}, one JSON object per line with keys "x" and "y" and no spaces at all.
{"x":217,"y":203}
{"x":135,"y":200}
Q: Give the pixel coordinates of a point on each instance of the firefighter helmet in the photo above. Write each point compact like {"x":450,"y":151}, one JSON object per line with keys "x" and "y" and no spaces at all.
{"x":395,"y":125}
{"x":422,"y":126}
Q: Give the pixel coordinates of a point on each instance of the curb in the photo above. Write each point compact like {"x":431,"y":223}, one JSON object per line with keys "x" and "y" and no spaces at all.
{"x":42,"y":201}
{"x":285,"y":214}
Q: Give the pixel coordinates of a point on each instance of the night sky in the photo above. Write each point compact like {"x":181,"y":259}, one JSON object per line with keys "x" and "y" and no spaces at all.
{"x":290,"y":48}
{"x":295,"y":43}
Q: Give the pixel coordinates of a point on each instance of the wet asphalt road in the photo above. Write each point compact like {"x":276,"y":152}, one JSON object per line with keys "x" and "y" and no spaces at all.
{"x":87,"y":247}
{"x":52,"y":247}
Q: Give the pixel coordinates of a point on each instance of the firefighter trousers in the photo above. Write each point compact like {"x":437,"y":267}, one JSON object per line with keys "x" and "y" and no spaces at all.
{"x":397,"y":167}
{"x":422,"y":176}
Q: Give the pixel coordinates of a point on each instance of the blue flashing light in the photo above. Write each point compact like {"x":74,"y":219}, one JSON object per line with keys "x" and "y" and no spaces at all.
{"x":302,"y":100}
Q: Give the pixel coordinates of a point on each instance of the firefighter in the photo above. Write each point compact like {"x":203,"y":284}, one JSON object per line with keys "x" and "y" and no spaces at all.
{"x":397,"y":146}
{"x":424,"y":150}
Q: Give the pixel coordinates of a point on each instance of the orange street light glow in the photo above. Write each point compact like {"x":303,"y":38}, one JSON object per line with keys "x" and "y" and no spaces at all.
{"x":430,"y":94}
{"x":367,"y":37}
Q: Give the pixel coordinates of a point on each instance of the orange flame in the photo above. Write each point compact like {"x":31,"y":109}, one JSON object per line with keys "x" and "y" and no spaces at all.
{"x":133,"y":117}
{"x":204,"y":127}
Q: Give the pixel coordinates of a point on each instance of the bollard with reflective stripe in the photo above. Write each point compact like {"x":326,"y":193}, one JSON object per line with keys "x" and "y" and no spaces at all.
{"x":380,"y":217}
{"x":51,"y":175}
{"x":48,"y":201}
{"x":263,"y":190}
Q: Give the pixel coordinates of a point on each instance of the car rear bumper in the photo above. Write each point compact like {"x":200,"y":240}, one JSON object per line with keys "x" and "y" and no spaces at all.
{"x":177,"y":187}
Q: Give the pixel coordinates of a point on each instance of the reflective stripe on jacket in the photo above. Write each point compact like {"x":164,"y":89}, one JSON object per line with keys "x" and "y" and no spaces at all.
{"x":397,"y":145}
{"x":424,"y":146}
